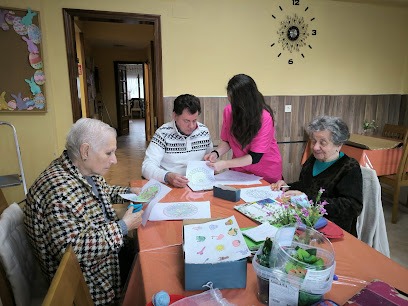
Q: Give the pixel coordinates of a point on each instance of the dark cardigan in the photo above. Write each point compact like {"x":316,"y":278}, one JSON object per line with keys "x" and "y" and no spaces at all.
{"x":343,"y":186}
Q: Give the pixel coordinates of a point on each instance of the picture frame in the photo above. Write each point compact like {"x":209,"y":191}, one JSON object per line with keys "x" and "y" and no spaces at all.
{"x":22,"y":77}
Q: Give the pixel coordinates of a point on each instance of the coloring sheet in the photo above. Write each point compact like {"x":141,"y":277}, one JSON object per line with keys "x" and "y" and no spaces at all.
{"x":200,"y":176}
{"x":262,"y":211}
{"x":214,"y":241}
{"x":180,"y":211}
{"x":230,"y":177}
{"x":143,"y":197}
{"x":259,"y":193}
{"x":155,"y":191}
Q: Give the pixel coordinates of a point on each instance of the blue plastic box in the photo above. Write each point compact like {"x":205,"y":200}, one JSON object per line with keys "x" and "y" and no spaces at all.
{"x":223,"y":275}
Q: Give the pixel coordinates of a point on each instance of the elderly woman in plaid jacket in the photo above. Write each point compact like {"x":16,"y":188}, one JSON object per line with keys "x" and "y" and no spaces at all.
{"x":71,"y":203}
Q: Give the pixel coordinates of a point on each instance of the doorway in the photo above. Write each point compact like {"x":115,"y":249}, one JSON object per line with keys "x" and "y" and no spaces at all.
{"x":131,"y":93}
{"x":154,"y":112}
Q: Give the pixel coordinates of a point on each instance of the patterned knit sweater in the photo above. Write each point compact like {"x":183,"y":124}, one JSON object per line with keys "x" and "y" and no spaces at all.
{"x":61,"y":209}
{"x":343,"y":186}
{"x":169,"y":150}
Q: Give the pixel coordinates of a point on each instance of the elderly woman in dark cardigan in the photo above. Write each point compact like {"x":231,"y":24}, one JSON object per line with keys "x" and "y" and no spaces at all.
{"x":328,"y":168}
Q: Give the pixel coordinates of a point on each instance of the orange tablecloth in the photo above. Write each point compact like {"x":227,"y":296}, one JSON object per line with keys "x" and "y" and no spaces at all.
{"x":159,"y":265}
{"x":163,"y":270}
{"x":158,"y":234}
{"x":383,"y":161}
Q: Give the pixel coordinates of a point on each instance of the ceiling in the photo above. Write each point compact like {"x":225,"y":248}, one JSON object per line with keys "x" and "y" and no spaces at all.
{"x":116,"y":35}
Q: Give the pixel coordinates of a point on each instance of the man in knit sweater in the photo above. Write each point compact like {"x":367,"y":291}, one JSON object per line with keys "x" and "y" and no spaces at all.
{"x":177,"y":142}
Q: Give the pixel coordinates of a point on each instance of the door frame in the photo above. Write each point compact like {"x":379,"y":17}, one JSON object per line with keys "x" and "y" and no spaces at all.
{"x":157,"y":87}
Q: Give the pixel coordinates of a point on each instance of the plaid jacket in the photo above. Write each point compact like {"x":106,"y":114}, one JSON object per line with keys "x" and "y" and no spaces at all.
{"x":61,"y":209}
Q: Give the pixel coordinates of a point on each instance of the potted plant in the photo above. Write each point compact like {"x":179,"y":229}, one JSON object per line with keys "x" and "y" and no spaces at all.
{"x":369,"y":127}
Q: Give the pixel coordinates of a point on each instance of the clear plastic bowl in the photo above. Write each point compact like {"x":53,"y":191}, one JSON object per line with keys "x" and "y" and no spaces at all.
{"x":313,"y":280}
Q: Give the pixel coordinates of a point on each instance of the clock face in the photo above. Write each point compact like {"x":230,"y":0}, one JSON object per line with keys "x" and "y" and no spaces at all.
{"x":295,"y":30}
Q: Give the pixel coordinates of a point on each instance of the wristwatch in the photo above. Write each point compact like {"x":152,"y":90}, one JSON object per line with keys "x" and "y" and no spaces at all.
{"x":165,"y":177}
{"x":216,"y":152}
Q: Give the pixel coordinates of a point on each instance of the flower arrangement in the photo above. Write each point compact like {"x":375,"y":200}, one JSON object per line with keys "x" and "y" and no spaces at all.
{"x":369,"y":125}
{"x":306,"y":212}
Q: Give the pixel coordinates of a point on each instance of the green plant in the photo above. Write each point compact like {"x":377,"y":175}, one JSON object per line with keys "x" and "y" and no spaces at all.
{"x":263,"y":259}
{"x":369,"y":125}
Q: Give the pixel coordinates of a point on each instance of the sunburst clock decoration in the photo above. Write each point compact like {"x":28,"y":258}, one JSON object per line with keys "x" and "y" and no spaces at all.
{"x":294,"y":33}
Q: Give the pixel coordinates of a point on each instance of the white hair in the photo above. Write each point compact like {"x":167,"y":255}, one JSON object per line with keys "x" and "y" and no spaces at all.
{"x":87,"y":130}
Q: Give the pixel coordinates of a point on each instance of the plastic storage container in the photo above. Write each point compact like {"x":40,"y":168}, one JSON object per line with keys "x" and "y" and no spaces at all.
{"x":301,"y":259}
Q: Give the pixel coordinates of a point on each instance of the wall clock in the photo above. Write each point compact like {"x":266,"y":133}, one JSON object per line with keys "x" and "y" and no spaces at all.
{"x":295,"y":29}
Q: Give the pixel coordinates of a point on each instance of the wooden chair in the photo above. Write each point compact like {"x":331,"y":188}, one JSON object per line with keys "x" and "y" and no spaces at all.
{"x":396,"y":181}
{"x":68,"y":287}
{"x":394,"y":131}
{"x":137,"y":107}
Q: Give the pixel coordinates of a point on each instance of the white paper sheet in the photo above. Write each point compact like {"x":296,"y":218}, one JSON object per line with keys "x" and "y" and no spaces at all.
{"x":157,"y":191}
{"x":134,"y":197}
{"x":180,"y":211}
{"x":200,"y":176}
{"x":230,"y":177}
{"x":259,"y":233}
{"x":254,"y":194}
{"x":214,"y":241}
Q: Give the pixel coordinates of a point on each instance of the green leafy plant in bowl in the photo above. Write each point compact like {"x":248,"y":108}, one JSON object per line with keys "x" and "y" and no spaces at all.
{"x":302,"y":259}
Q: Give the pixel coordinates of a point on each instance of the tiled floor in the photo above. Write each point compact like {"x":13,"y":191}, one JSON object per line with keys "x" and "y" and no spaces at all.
{"x":130,"y":154}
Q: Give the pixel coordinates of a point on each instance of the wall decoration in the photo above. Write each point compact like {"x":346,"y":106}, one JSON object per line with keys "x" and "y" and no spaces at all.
{"x":294,"y":30}
{"x":22,"y":77}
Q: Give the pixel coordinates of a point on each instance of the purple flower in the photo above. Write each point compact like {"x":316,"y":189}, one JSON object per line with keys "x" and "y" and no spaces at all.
{"x":305,"y":212}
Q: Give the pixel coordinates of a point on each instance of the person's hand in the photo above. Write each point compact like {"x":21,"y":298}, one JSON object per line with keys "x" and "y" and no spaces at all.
{"x":278,"y":185}
{"x":291,"y":193}
{"x":217,"y":166}
{"x":212,"y":157}
{"x":135,"y":190}
{"x":177,"y":180}
{"x":131,"y":219}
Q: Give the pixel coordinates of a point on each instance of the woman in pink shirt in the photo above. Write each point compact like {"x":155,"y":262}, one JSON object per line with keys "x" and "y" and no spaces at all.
{"x":248,"y":130}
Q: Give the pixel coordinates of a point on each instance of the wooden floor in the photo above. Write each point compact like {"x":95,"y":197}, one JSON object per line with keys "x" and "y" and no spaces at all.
{"x":131,"y":151}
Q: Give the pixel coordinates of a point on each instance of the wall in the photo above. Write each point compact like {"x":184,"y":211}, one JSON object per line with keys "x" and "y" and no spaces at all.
{"x":359,"y":49}
{"x":104,"y":58}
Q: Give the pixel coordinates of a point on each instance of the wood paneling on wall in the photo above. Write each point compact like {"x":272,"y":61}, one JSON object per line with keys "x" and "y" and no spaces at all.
{"x":290,"y":127}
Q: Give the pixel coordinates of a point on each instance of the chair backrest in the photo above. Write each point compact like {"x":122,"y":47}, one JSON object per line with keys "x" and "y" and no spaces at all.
{"x":68,"y":286}
{"x":3,"y":202}
{"x":370,"y":226}
{"x":402,"y":174}
{"x":395,"y":131}
{"x":21,"y":280}
{"x":135,"y":102}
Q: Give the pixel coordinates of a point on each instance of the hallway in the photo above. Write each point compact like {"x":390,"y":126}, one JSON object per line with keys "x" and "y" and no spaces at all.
{"x":131,"y":151}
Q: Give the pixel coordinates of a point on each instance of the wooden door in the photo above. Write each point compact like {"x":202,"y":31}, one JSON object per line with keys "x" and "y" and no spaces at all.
{"x":122,"y":102}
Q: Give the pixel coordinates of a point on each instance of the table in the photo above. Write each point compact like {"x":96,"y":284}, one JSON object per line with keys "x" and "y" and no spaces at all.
{"x":383,"y":161}
{"x":159,"y":265}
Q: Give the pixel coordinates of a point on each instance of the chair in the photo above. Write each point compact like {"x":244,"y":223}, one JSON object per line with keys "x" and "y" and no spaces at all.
{"x":396,"y":181}
{"x":394,"y":131}
{"x":21,"y":280}
{"x":137,"y":107}
{"x":68,"y":286}
{"x":370,"y":225}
